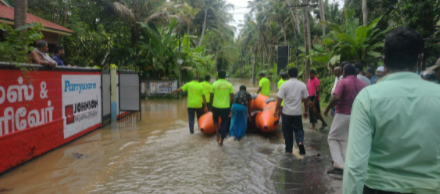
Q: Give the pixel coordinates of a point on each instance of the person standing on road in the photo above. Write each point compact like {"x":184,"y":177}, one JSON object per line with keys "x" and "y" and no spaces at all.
{"x":343,"y":97}
{"x":264,"y":85}
{"x":315,"y":109}
{"x":293,"y":92}
{"x":207,"y":88}
{"x":196,"y":97}
{"x":338,"y":76}
{"x":222,"y":94}
{"x":393,"y":144}
{"x":241,"y":113}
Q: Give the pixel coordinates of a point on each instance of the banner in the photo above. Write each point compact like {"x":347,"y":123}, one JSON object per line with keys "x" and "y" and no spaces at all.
{"x":26,"y":100}
{"x":161,"y":87}
{"x":81,"y":102}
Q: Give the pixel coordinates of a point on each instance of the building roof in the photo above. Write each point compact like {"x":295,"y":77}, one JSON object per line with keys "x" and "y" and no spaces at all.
{"x":7,"y":16}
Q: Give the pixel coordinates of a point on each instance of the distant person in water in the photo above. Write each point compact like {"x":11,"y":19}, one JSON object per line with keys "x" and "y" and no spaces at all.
{"x":196,"y":97}
{"x":241,"y":113}
{"x":284,"y":77}
{"x":315,"y":109}
{"x":264,"y":85}
{"x":222,"y":94}
{"x":293,"y":92}
{"x":207,"y":87}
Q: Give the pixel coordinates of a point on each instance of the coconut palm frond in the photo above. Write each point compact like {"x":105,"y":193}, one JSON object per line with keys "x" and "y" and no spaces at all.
{"x":158,"y":15}
{"x":122,"y":10}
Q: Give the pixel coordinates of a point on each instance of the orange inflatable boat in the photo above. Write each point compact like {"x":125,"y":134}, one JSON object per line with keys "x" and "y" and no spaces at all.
{"x":265,"y":120}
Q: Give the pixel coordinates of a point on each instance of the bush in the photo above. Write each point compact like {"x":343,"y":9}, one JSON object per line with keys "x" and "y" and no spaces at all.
{"x":326,"y":88}
{"x":16,"y":46}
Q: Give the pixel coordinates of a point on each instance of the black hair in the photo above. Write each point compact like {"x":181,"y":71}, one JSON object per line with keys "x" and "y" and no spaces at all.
{"x":57,"y":48}
{"x":359,"y":65}
{"x":285,"y":76}
{"x":261,"y":74}
{"x":312,"y":71}
{"x":350,"y":69}
{"x":195,"y":78}
{"x":242,"y":88}
{"x":402,"y":48}
{"x":207,"y":78}
{"x":221,"y":74}
{"x":40,"y":44}
{"x":370,"y":70}
{"x":293,"y":72}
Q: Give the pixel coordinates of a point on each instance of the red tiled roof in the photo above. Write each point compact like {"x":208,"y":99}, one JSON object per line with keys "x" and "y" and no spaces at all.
{"x":8,"y":14}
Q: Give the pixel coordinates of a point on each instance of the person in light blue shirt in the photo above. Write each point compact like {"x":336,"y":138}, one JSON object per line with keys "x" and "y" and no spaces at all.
{"x":394,"y":138}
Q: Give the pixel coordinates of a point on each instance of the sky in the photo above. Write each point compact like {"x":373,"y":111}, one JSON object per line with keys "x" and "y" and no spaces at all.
{"x":240,"y":10}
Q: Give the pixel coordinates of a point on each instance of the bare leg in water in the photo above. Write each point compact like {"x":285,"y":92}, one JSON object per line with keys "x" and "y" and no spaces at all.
{"x":318,"y":115}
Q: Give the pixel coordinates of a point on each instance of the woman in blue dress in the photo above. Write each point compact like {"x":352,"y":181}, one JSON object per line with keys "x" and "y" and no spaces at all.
{"x":240,"y":113}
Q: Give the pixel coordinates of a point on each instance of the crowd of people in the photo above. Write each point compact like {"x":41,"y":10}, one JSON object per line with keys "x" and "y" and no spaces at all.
{"x":384,"y":137}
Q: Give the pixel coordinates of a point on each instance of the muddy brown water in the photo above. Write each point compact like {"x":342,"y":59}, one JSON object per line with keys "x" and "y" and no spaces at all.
{"x":158,"y":155}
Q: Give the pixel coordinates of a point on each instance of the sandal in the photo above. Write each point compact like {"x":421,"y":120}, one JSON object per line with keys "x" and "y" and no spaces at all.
{"x":338,"y":171}
{"x":323,"y":126}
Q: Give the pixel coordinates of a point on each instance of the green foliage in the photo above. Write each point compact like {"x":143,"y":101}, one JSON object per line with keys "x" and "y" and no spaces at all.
{"x":326,"y":87}
{"x":16,"y":46}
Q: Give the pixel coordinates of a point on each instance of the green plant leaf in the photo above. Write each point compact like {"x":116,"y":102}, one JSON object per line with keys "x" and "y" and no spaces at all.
{"x":361,"y":35}
{"x":374,"y":54}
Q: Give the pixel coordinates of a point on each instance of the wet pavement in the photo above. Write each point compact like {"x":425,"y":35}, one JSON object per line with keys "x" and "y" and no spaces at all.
{"x":158,"y":155}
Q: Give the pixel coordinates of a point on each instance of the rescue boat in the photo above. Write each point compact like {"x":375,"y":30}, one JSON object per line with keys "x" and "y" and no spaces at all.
{"x":265,"y":121}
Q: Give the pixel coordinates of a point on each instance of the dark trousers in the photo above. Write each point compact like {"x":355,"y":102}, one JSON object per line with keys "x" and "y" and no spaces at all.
{"x":223,"y":113}
{"x":292,"y":124}
{"x":312,"y":117}
{"x":191,"y":114}
{"x":368,"y":190}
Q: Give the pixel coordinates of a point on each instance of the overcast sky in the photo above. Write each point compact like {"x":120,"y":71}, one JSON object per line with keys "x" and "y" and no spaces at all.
{"x":240,"y":10}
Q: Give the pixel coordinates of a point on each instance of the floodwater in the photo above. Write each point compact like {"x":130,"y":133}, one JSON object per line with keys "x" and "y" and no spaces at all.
{"x":158,"y":155}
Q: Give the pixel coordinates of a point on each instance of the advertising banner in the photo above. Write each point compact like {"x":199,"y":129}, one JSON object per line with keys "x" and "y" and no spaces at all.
{"x":27,"y":101}
{"x":161,"y":87}
{"x":81,"y":102}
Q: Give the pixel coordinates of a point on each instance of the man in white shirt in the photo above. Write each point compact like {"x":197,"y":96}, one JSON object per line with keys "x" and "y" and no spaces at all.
{"x":293,"y":92}
{"x":338,"y":76}
{"x":361,"y":76}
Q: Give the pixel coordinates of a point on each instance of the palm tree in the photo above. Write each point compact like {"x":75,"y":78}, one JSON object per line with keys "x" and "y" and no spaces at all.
{"x":187,"y":14}
{"x":134,"y":12}
{"x":217,"y":12}
{"x":20,"y":13}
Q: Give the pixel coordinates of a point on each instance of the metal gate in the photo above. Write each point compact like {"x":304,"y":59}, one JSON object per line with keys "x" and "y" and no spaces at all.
{"x":106,"y":97}
{"x":129,"y":91}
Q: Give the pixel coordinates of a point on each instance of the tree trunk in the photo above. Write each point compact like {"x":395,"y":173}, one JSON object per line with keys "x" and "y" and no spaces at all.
{"x":20,"y":13}
{"x":284,"y":34}
{"x":365,"y":12}
{"x":204,"y":23}
{"x":322,"y":14}
{"x":294,"y":16}
{"x":134,"y":30}
{"x":253,"y":65}
{"x":306,"y":41}
{"x":187,"y":29}
{"x":269,"y":62}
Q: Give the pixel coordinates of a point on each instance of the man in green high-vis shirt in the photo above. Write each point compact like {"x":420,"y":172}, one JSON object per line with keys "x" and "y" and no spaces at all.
{"x":222,"y":94}
{"x":264,"y":85}
{"x":196,"y":100}
{"x":283,"y":78}
{"x":207,"y":88}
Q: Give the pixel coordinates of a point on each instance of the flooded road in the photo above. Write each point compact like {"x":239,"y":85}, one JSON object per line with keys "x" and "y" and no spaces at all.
{"x":158,"y":155}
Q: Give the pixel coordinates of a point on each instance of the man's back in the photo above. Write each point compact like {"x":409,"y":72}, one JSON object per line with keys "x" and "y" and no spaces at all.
{"x":292,"y":92}
{"x":347,"y":88}
{"x":195,"y":92}
{"x":265,"y":86}
{"x":207,"y":87}
{"x":402,"y":116}
{"x":221,"y":90}
{"x":364,"y":79}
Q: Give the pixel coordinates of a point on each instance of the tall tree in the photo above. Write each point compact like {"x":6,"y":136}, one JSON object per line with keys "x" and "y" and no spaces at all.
{"x":322,"y":16}
{"x":365,"y":12}
{"x":307,"y":41}
{"x":20,"y":13}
